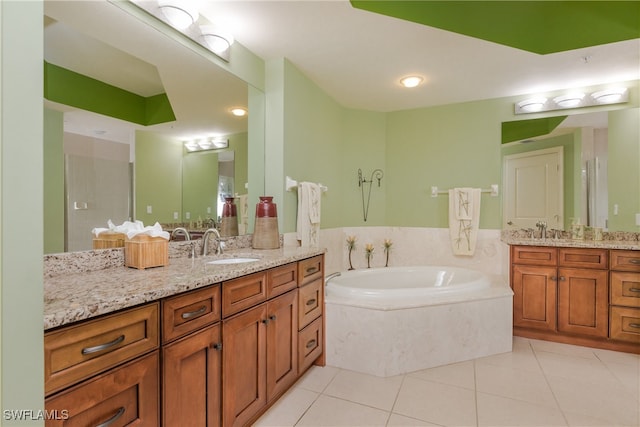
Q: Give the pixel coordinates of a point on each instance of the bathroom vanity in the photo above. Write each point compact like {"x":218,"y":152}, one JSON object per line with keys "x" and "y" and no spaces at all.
{"x":583,"y":293}
{"x":187,"y":344}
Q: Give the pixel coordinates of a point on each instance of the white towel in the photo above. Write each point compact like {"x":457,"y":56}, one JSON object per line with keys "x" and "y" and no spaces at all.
{"x":464,"y":218}
{"x":308,"y":225}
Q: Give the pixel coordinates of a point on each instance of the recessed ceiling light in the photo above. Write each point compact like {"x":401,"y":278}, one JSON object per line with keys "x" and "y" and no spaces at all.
{"x":411,"y":81}
{"x":238,"y":111}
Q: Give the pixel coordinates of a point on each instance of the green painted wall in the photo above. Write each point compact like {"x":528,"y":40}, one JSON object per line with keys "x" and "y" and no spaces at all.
{"x":53,"y":163}
{"x":21,"y":206}
{"x":624,"y":179}
{"x":158,"y":177}
{"x":199,"y":184}
{"x":450,"y":146}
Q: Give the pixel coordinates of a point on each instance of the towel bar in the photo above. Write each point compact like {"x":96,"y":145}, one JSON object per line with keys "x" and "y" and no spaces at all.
{"x":493,"y":191}
{"x":290,"y":184}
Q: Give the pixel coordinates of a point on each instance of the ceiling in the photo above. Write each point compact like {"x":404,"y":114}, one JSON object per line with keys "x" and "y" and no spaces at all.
{"x":356,"y":56}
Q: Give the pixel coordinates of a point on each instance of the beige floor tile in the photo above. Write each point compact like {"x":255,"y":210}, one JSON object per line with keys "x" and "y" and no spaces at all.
{"x":396,"y":420}
{"x":457,"y":374}
{"x":582,"y":420}
{"x":436,"y":403}
{"x":329,"y":411}
{"x":366,"y":389}
{"x":496,"y":411}
{"x":566,"y":349}
{"x":516,"y":384}
{"x":317,"y":378}
{"x":573,"y":367}
{"x":523,"y":360}
{"x":288,"y":409}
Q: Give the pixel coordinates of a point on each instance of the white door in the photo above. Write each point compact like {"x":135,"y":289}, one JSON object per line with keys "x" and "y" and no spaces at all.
{"x":533,"y":189}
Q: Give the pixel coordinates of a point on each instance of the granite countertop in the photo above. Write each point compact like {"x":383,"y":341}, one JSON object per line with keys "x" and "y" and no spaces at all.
{"x":81,"y":295}
{"x":570,"y":243}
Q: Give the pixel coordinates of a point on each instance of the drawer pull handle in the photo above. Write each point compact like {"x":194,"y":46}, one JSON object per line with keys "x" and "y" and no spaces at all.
{"x":101,"y":347}
{"x":217,"y":346}
{"x":312,"y":270}
{"x":196,"y":313}
{"x":554,"y":278}
{"x":312,"y":301}
{"x":634,"y":289}
{"x":265,"y":321}
{"x":311,"y":343}
{"x":112,"y":419}
{"x":634,"y":325}
{"x":272,"y":317}
{"x":635,"y":261}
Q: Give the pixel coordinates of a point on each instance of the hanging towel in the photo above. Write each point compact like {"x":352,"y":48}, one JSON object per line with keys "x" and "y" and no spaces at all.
{"x":243,"y":215}
{"x":308,"y":226}
{"x":464,"y":218}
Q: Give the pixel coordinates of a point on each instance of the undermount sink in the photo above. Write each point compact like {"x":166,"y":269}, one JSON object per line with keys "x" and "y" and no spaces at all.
{"x":239,"y":260}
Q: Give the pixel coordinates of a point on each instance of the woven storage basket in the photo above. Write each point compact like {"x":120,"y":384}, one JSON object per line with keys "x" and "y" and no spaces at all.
{"x":145,"y":251}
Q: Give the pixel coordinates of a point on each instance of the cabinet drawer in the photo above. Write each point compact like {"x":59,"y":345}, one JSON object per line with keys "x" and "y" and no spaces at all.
{"x":187,"y":312}
{"x":78,"y":351}
{"x":625,"y":324}
{"x":310,"y":303}
{"x":583,"y":258}
{"x":127,"y":395}
{"x":534,"y":255}
{"x":625,"y":288}
{"x":625,"y":260}
{"x":310,"y":269}
{"x":282,"y":279}
{"x":310,"y":344}
{"x":243,"y":292}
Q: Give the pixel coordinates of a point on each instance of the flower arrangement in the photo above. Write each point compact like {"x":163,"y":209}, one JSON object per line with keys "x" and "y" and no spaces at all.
{"x":351,"y":245}
{"x":387,"y":248}
{"x":368,"y":253}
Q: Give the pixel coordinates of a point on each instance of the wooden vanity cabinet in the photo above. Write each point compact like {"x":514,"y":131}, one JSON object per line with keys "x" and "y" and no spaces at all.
{"x":625,"y":296}
{"x":191,"y":359}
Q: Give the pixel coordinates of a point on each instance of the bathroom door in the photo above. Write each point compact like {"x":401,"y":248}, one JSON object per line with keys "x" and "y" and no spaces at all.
{"x":533,"y":189}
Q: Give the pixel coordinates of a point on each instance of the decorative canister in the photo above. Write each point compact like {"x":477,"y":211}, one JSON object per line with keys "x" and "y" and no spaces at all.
{"x":265,"y":233}
{"x":229,"y":221}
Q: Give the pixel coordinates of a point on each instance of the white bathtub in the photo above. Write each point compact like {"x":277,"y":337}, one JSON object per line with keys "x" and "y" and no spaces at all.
{"x":388,"y":321}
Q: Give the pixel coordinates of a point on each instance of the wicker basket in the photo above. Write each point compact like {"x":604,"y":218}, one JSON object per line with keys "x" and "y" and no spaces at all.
{"x":109,"y":239}
{"x":145,"y":251}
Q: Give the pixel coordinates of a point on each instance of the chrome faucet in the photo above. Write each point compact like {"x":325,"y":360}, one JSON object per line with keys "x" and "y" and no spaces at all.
{"x":205,"y":241}
{"x":180,"y":230}
{"x":542,"y":227}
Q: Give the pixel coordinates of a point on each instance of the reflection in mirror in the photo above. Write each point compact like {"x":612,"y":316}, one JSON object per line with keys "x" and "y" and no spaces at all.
{"x":96,"y":78}
{"x":601,"y":160}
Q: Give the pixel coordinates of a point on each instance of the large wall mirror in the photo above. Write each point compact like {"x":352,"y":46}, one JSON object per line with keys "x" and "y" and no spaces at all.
{"x":120,"y":155}
{"x":599,"y":179}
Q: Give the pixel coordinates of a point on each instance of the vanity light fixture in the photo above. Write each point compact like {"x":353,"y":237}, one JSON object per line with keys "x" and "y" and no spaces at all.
{"x":411,"y":81}
{"x":203,"y":144}
{"x":180,"y":14}
{"x":218,"y":39}
{"x":569,"y":101}
{"x":531,"y":105}
{"x":610,"y":96}
{"x":238,"y":111}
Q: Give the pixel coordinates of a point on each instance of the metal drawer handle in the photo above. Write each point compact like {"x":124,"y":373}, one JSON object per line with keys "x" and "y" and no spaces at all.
{"x":217,"y":346}
{"x":101,"y":347}
{"x":272,"y":317}
{"x":554,"y":278}
{"x":634,"y":261}
{"x":312,"y":270}
{"x":112,"y":419}
{"x":311,"y":301}
{"x":634,"y":325}
{"x":634,"y":289}
{"x":311,"y":343}
{"x":198,"y":312}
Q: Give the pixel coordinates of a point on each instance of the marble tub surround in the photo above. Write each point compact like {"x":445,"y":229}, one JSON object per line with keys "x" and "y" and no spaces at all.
{"x":611,"y":240}
{"x":80,"y":295}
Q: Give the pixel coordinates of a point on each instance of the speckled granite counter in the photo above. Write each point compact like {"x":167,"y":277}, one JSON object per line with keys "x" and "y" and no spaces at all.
{"x":82,"y":295}
{"x":625,"y":241}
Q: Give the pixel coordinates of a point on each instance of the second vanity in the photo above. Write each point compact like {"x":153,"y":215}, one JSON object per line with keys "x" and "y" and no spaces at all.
{"x":577,"y":292}
{"x":192,"y":343}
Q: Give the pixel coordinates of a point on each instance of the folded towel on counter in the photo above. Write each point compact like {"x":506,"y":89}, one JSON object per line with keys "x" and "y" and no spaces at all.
{"x":308,"y":221}
{"x":132,"y":229}
{"x":464,"y":219}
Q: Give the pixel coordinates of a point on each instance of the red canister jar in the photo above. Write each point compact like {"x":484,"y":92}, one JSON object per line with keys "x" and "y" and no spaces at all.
{"x":266,"y":208}
{"x":265,"y":233}
{"x":229,"y":208}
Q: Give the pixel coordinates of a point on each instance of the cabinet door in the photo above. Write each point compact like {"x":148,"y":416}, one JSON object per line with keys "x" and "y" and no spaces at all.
{"x":534,"y":299}
{"x":282,"y":341}
{"x":127,"y":395}
{"x":583,"y":301}
{"x":244,"y":369}
{"x":191,"y":380}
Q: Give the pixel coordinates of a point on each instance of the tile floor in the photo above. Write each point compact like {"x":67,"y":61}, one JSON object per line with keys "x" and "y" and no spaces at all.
{"x":538,"y":384}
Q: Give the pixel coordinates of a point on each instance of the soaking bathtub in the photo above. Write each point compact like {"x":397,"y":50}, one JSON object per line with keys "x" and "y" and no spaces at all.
{"x":389,"y":321}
